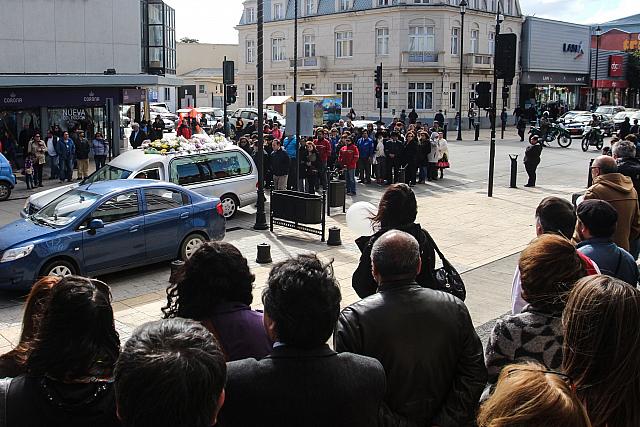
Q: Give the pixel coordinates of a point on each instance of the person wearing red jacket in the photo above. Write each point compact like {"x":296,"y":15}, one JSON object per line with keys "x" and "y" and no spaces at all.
{"x":348,"y":159}
{"x":324,"y":151}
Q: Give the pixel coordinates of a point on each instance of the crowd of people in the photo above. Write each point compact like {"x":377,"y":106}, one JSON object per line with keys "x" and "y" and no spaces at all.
{"x":413,"y":154}
{"x":406,"y":354}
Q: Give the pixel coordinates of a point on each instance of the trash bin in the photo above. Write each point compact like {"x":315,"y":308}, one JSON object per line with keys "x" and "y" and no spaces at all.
{"x":337,"y":190}
{"x":297,"y":206}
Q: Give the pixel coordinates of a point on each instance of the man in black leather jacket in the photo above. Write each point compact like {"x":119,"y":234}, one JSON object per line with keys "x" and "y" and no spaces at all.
{"x":424,"y":339}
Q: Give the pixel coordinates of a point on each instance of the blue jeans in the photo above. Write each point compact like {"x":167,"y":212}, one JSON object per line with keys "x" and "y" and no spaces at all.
{"x":66,"y":169}
{"x":350,"y":176}
{"x":54,"y":166}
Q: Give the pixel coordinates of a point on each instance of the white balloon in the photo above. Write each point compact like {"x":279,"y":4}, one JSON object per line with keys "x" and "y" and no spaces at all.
{"x":358,"y":218}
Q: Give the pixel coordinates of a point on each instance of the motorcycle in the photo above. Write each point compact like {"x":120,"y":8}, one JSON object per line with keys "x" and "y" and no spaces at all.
{"x":592,"y":137}
{"x":556,"y":131}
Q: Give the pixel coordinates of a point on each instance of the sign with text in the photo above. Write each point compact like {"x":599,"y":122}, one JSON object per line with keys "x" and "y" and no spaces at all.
{"x":616,"y":68}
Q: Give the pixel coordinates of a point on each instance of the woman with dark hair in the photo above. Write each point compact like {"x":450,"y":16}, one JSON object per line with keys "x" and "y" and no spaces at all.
{"x":549,"y":267}
{"x":397,"y":210}
{"x":69,"y":380}
{"x":310,"y":166}
{"x":214,"y":287}
{"x":601,"y":350}
{"x":13,"y":363}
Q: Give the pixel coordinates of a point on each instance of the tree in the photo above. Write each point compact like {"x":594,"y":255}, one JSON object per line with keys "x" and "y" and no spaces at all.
{"x":189,"y":40}
{"x":633,"y":70}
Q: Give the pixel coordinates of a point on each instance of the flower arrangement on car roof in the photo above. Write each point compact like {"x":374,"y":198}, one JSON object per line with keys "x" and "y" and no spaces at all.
{"x":175,"y":145}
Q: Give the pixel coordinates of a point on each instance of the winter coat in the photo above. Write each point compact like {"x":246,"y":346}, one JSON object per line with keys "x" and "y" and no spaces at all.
{"x":324,"y":149}
{"x":66,"y":149}
{"x":532,"y":154}
{"x":434,"y":154}
{"x":280,"y":162}
{"x":309,"y":163}
{"x":611,"y":260}
{"x":82,"y":149}
{"x":290,"y":145}
{"x":618,"y":190}
{"x":100,"y":147}
{"x":365,"y":148}
{"x":349,"y":156}
{"x":630,"y":166}
{"x":39,"y":150}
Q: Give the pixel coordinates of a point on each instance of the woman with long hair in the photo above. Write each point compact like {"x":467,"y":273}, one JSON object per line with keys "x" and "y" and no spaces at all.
{"x":397,"y":210}
{"x":69,"y":379}
{"x":601,"y":349}
{"x":13,"y":363}
{"x":529,"y":395}
{"x":214,"y":287}
{"x":549,"y":267}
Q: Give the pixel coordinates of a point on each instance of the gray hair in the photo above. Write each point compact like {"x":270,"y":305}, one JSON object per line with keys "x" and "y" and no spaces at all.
{"x":396,"y":253}
{"x":624,"y":149}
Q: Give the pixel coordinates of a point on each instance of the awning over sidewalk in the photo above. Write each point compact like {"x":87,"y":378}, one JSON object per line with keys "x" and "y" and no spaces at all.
{"x":88,"y":80}
{"x":277,"y":100}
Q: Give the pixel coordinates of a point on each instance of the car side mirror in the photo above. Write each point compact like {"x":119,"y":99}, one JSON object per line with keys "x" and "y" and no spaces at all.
{"x":96,"y":224}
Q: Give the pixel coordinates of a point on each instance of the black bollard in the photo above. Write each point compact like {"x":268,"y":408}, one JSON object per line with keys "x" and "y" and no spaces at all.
{"x":502,"y":135}
{"x":514,"y":170}
{"x":446,"y":127}
{"x":401,"y":175}
{"x":590,"y":177}
{"x":264,"y":254}
{"x":477,"y":131}
{"x":175,"y":267}
{"x":334,"y":237}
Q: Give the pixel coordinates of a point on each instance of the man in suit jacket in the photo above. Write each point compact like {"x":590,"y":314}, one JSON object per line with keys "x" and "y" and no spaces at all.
{"x":424,"y":338}
{"x":303,"y":382}
{"x":137,"y":136}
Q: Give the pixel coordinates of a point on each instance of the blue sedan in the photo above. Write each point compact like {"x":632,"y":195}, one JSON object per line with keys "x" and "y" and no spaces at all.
{"x":105,"y":227}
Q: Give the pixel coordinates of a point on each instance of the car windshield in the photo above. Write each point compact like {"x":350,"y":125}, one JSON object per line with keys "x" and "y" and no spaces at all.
{"x":107,"y":173}
{"x":65,"y":209}
{"x":620,"y":116}
{"x":604,"y":110}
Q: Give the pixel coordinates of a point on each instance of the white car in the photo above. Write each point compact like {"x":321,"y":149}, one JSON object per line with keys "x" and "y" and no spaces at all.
{"x":229,"y":174}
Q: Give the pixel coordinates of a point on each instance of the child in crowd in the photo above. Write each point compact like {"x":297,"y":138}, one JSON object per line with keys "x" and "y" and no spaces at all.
{"x":28,"y":170}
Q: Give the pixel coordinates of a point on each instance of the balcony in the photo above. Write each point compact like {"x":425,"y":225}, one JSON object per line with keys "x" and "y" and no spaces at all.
{"x":421,"y":60}
{"x":309,"y":63}
{"x":478,"y":62}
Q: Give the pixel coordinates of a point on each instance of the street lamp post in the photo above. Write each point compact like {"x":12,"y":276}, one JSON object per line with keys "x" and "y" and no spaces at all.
{"x":295,"y":51}
{"x":598,"y":34}
{"x":261,"y":218}
{"x":494,"y":101}
{"x":463,"y":9}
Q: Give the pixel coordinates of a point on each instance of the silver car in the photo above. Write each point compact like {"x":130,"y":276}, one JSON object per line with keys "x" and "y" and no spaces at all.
{"x":229,"y":174}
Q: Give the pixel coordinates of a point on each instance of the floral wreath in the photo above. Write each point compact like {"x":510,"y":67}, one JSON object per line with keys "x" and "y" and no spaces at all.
{"x":180,"y":144}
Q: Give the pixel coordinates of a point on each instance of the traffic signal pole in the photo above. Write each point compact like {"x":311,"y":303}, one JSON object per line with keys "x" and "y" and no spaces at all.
{"x":381,"y":99}
{"x":494,"y":101}
{"x":224,"y":100}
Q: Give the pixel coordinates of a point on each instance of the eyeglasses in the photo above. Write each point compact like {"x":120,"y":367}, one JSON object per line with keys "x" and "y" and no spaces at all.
{"x":565,"y":377}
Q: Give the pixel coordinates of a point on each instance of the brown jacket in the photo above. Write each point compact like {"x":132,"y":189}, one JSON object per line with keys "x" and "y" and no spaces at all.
{"x":618,"y":190}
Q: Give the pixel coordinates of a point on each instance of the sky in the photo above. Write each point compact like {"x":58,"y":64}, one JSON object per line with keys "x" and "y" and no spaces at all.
{"x":213,"y":21}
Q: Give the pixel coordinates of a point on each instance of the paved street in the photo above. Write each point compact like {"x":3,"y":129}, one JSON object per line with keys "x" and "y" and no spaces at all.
{"x":481,"y":236}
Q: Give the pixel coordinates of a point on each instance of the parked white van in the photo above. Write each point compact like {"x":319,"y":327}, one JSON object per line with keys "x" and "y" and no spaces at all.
{"x":228,"y":173}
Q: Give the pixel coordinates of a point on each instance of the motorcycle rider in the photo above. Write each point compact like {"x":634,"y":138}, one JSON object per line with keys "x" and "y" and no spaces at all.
{"x":594,"y":134}
{"x":545,"y":123}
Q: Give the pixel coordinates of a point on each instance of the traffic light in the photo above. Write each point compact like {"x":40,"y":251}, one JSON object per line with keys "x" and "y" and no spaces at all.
{"x":379,"y":75}
{"x":483,"y":94}
{"x":505,"y":92}
{"x":232,"y":94}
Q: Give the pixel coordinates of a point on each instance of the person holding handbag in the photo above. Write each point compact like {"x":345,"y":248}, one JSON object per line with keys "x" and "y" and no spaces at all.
{"x":38,"y":148}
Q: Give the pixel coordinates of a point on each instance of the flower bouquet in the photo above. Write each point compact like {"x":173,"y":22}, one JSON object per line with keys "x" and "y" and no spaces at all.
{"x":180,"y":144}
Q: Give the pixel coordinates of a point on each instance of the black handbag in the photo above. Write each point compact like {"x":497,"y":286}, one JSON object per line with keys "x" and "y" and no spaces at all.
{"x":447,"y":278}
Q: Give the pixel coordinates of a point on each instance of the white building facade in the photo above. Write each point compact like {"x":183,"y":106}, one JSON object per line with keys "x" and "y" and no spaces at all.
{"x":340,"y":43}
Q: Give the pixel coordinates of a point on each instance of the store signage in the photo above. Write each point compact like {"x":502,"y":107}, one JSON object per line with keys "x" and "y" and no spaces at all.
{"x":12,"y":99}
{"x":615,"y":66}
{"x":133,"y":96}
{"x":573,"y":48}
{"x":56,"y":97}
{"x":533,"y":77}
{"x":73,"y":114}
{"x":633,"y":43}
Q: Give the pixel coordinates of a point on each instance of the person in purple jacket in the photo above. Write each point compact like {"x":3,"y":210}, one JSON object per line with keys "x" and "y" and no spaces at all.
{"x":214,"y":287}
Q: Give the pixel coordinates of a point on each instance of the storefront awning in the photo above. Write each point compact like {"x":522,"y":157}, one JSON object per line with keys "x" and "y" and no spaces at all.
{"x":277,"y":100}
{"x":88,"y":80}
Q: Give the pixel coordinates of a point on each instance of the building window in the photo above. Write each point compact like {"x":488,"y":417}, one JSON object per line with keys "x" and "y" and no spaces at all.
{"x":201,"y":89}
{"x":345,"y":4}
{"x":309,"y":7}
{"x":309,"y":45}
{"x":308,"y":88}
{"x":422,"y":39}
{"x":345,"y":91}
{"x":475,"y":34}
{"x":251,"y":15}
{"x":474,"y":4}
{"x":420,"y":96}
{"x":278,"y":89}
{"x":344,"y":44}
{"x":277,"y":11}
{"x":455,"y":40}
{"x":278,"y":49}
{"x":509,"y":7}
{"x":491,"y":5}
{"x":453,"y":96}
{"x":382,"y":41}
{"x":167,"y":94}
{"x":383,"y":2}
{"x":251,"y":51}
{"x":158,"y":40}
{"x":454,"y":2}
{"x":492,"y":42}
{"x":421,"y":1}
{"x":251,"y":95}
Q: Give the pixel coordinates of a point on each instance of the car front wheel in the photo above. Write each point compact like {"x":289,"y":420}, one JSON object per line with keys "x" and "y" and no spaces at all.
{"x":60,"y":268}
{"x":190,"y":245}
